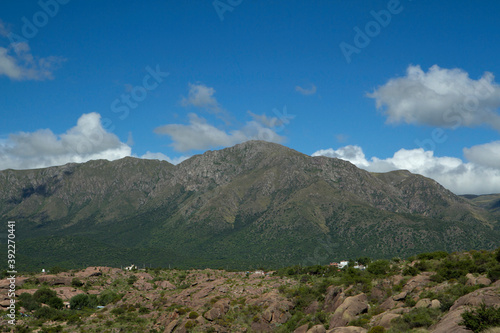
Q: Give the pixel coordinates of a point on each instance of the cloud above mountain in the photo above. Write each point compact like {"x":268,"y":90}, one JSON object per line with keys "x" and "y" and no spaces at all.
{"x":440,"y":97}
{"x":479,"y":175}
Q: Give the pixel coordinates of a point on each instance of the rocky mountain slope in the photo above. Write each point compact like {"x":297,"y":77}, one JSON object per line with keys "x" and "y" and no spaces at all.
{"x":428,"y":293}
{"x":254,"y":204}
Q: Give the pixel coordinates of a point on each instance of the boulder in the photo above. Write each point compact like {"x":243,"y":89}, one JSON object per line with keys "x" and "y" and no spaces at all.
{"x":301,"y":329}
{"x":317,"y":329}
{"x":165,"y":285}
{"x":333,"y":298}
{"x":401,"y":296}
{"x":417,"y":283}
{"x":449,"y":322}
{"x":423,"y":303}
{"x":384,"y":319}
{"x":489,"y":296}
{"x":171,"y":326}
{"x":218,"y":310}
{"x":348,"y":310}
{"x":347,"y":329}
{"x":483,"y":280}
{"x":435,"y":304}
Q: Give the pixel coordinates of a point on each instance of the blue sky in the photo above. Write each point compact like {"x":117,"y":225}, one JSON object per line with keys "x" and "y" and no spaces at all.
{"x":384,"y":84}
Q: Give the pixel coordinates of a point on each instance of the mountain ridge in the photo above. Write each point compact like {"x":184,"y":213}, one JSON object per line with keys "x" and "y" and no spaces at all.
{"x":256,"y":203}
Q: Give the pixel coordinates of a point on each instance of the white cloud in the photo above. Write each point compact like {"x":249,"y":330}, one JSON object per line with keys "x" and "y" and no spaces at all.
{"x":17,"y":62}
{"x":88,"y":140}
{"x":478,"y":176}
{"x":306,"y":91}
{"x":162,"y":157}
{"x":441,"y":97}
{"x":201,"y":96}
{"x":487,"y":154}
{"x":198,"y":134}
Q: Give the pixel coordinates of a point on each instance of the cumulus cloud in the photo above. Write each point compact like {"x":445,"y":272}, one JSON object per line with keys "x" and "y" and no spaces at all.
{"x":440,"y":97}
{"x":199,"y":134}
{"x":201,"y":96}
{"x":17,"y":62}
{"x":477,"y":176}
{"x":487,"y":154}
{"x":306,"y":91}
{"x":88,"y":140}
{"x":162,"y":157}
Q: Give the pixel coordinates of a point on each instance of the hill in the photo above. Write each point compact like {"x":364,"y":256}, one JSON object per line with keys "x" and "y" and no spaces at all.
{"x":431,"y":292}
{"x":251,"y":205}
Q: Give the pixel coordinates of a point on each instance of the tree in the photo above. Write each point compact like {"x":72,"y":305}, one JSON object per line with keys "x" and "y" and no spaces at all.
{"x":364,"y":261}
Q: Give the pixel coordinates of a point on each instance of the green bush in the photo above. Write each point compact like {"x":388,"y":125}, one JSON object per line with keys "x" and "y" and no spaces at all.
{"x":379,"y":267}
{"x":47,"y":313}
{"x":83,"y":301}
{"x":132,"y":279}
{"x":43,"y":295}
{"x":481,"y":318}
{"x":107,"y":297}
{"x":432,"y":255}
{"x":193,"y":315}
{"x":377,"y":329}
{"x":417,"y":317}
{"x":76,"y":282}
{"x":494,"y":273}
{"x":27,"y":301}
{"x":410,"y":270}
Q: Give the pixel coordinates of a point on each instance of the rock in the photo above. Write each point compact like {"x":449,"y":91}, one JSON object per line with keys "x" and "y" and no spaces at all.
{"x":348,"y":310}
{"x":312,"y":308}
{"x":347,"y":329}
{"x":317,"y":329}
{"x":218,"y":310}
{"x":401,"y":296}
{"x":277,"y":312}
{"x":489,"y":296}
{"x":171,"y":326}
{"x":378,"y":293}
{"x":384,"y":319}
{"x":333,"y":298}
{"x":165,"y":285}
{"x":54,"y":280}
{"x":301,"y":329}
{"x":449,"y":323}
{"x":388,"y":304}
{"x":417,"y":283}
{"x":471,"y":280}
{"x":435,"y":304}
{"x":483,"y":280}
{"x":423,"y":303}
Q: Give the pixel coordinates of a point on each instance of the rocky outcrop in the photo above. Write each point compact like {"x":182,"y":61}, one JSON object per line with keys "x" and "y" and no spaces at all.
{"x":348,"y":310}
{"x":218,"y":310}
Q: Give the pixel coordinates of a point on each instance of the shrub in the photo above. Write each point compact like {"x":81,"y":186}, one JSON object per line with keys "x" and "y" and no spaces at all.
{"x":193,"y":315}
{"x":377,"y":329}
{"x":189,"y":324}
{"x":132,"y":279}
{"x":118,"y":311}
{"x":419,"y":317}
{"x":47,"y":313}
{"x":107,"y":297}
{"x":43,"y":295}
{"x":83,"y":301}
{"x":410,"y":270}
{"x":379,"y":267}
{"x":481,"y":318}
{"x":27,"y":301}
{"x":76,"y":282}
{"x":494,"y":273}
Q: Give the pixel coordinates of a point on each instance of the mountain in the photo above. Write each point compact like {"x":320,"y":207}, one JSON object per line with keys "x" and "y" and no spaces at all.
{"x":254,"y":204}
